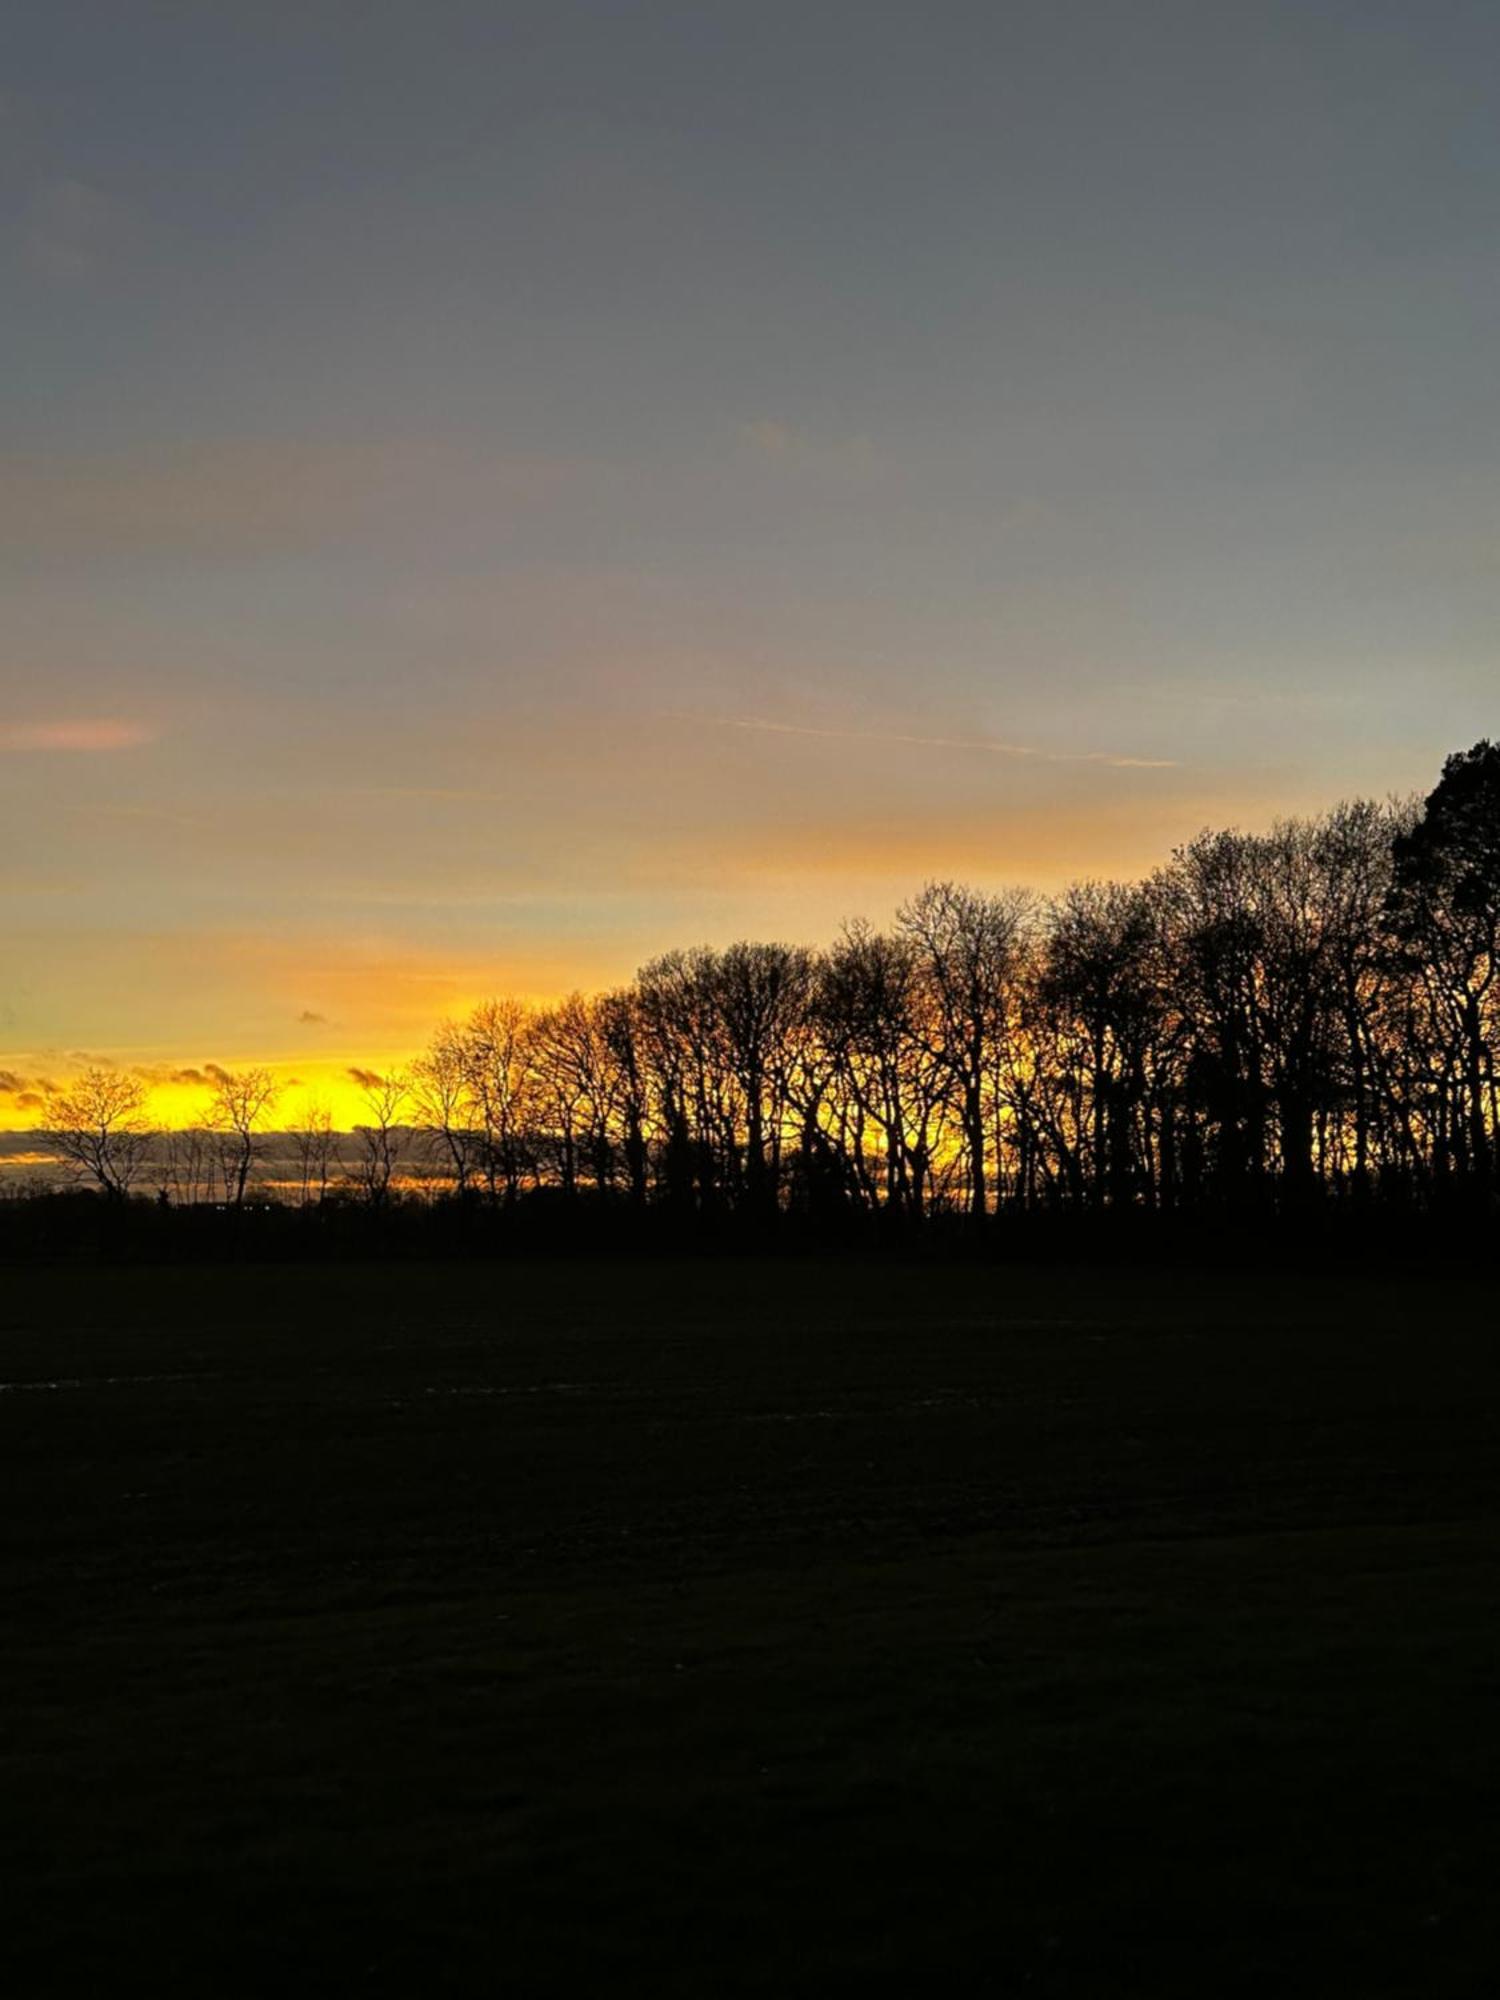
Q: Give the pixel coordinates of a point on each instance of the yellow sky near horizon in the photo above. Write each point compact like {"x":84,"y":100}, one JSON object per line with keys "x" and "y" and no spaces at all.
{"x":178,"y":1106}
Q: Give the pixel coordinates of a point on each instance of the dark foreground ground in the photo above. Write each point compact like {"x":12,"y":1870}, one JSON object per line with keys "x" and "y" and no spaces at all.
{"x":706,"y":1629}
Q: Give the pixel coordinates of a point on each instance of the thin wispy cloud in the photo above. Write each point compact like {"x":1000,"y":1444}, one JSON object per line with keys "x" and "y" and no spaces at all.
{"x":989,"y":745}
{"x":93,"y":733}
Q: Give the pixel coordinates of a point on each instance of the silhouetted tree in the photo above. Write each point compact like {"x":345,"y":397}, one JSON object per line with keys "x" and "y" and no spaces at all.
{"x":1101,"y":986}
{"x":971,"y":950}
{"x":444,"y":1102}
{"x":627,"y":1108}
{"x":1444,"y":911}
{"x":316,"y":1146}
{"x":496,"y":1057}
{"x":239,"y":1101}
{"x":380,"y":1137}
{"x":187,"y":1165}
{"x":885,"y":1103}
{"x":97,"y":1125}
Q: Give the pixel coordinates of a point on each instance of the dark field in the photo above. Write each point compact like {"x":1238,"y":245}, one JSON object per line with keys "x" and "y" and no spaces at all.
{"x":712,"y":1628}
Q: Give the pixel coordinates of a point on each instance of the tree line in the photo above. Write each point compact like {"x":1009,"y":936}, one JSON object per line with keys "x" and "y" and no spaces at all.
{"x":1270,"y":1020}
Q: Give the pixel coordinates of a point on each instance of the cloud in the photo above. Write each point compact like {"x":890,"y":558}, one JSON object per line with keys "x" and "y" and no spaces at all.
{"x":367,"y":1079}
{"x":166,"y":1073}
{"x":86,"y":734}
{"x":993,"y":746}
{"x":308,"y":1019}
{"x":28,"y":1091}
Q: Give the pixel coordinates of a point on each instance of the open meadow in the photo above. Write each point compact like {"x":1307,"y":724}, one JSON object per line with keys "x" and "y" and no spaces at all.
{"x":711,"y":1627}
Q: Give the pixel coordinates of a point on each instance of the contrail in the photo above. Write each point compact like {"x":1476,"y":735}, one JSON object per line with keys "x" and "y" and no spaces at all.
{"x":994,"y":746}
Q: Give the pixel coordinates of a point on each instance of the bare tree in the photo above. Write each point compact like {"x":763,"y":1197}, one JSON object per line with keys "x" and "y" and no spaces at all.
{"x":622,"y":1050}
{"x":444,"y":1105}
{"x":97,"y":1125}
{"x":316,"y":1146}
{"x":761,"y":996}
{"x":496,"y":1058}
{"x":971,"y":951}
{"x":238,"y":1102}
{"x":1096,"y":1038}
{"x":562,"y":1058}
{"x":186,"y":1162}
{"x":380,"y":1139}
{"x":885,"y":1103}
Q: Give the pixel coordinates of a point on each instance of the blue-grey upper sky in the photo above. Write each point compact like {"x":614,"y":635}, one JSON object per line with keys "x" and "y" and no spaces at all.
{"x":490,"y":490}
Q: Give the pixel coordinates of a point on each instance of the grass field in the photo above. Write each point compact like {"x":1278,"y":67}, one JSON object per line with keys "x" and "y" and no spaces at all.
{"x":726,"y":1629}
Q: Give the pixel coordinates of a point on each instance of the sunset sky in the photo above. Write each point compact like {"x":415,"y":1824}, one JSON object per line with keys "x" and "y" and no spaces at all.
{"x":489,"y":492}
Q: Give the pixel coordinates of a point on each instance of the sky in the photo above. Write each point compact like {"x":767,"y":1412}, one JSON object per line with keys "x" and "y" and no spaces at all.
{"x":489,"y":492}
